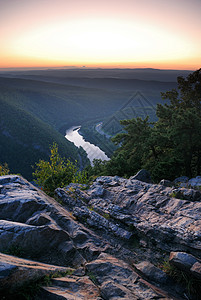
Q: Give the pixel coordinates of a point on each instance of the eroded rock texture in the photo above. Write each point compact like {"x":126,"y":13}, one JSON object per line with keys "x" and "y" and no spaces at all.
{"x":115,"y":234}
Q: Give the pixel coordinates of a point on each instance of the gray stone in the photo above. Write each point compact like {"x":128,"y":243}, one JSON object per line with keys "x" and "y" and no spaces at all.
{"x":104,"y":231}
{"x":79,"y":272}
{"x":15,"y":272}
{"x":112,"y":290}
{"x":6,"y":269}
{"x":97,"y":191}
{"x":8,"y":179}
{"x":152,"y":272}
{"x":104,"y":180}
{"x":33,"y":241}
{"x":195,"y":182}
{"x":117,"y":280}
{"x":1,"y":187}
{"x":166,"y":183}
{"x":181,"y":181}
{"x":142,"y":175}
{"x":182,"y":260}
{"x":70,"y":289}
{"x":70,"y":198}
{"x":192,"y":195}
{"x":80,"y":237}
{"x":97,"y":221}
{"x":39,"y":219}
{"x":155,"y":212}
{"x":186,"y":194}
{"x":196,"y":270}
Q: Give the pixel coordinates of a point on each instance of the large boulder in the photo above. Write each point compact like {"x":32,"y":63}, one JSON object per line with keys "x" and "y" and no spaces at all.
{"x":142,"y":175}
{"x":195,"y":182}
{"x":182,"y":260}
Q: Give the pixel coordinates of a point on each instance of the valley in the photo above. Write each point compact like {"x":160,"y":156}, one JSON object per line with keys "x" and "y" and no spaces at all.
{"x":38,"y":106}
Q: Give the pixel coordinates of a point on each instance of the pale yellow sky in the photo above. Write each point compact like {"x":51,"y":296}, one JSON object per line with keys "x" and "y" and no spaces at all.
{"x":121,"y":33}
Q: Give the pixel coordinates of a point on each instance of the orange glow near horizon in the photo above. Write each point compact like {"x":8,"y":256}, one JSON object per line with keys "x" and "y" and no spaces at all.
{"x":122,"y":34}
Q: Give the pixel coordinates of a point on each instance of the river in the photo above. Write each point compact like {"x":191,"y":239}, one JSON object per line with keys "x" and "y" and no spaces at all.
{"x":93,"y":152}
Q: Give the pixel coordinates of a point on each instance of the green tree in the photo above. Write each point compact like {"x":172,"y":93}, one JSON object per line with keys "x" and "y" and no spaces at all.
{"x":129,"y":157}
{"x":57,"y":172}
{"x":170,"y":147}
{"x":182,"y":122}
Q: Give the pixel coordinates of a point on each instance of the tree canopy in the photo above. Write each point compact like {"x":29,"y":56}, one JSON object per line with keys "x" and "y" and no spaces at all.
{"x":169,"y":147}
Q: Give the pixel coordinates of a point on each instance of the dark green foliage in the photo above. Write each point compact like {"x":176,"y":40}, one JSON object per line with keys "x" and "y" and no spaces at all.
{"x":33,"y":110}
{"x":98,"y":169}
{"x":169,"y":147}
{"x":57,"y":172}
{"x":4,"y":170}
{"x":15,"y":250}
{"x":92,"y":277}
{"x":129,"y":157}
{"x":130,"y":112}
{"x":25,"y":138}
{"x":134,"y":143}
{"x":60,"y":104}
{"x":181,"y":122}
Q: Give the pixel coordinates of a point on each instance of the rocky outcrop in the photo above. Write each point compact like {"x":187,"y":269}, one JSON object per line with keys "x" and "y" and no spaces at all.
{"x":114,"y":233}
{"x":165,"y":218}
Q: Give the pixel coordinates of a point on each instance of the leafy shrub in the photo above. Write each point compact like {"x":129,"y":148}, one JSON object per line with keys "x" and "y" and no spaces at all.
{"x":58,"y":172}
{"x":4,"y":170}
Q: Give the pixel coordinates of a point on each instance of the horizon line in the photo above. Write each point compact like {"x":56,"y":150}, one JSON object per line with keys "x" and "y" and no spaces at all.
{"x":88,"y":68}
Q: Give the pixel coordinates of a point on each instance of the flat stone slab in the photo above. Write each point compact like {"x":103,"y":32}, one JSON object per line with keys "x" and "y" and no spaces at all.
{"x":71,"y":288}
{"x":15,"y":272}
{"x":151,"y":272}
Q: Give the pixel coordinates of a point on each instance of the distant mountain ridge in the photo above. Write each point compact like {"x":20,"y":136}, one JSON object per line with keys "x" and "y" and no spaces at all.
{"x":125,"y":73}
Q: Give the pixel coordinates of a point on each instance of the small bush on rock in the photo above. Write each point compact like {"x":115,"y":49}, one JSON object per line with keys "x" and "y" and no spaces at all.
{"x":4,"y":170}
{"x":57,"y":172}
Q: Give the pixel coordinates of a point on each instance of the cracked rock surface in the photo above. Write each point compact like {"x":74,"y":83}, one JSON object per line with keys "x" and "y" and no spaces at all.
{"x":114,"y":234}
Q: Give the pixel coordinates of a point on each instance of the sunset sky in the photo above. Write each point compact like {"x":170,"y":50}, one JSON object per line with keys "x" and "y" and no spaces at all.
{"x":103,"y":33}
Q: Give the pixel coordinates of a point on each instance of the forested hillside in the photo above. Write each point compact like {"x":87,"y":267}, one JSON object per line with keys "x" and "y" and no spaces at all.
{"x":25,"y":138}
{"x":35,"y":107}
